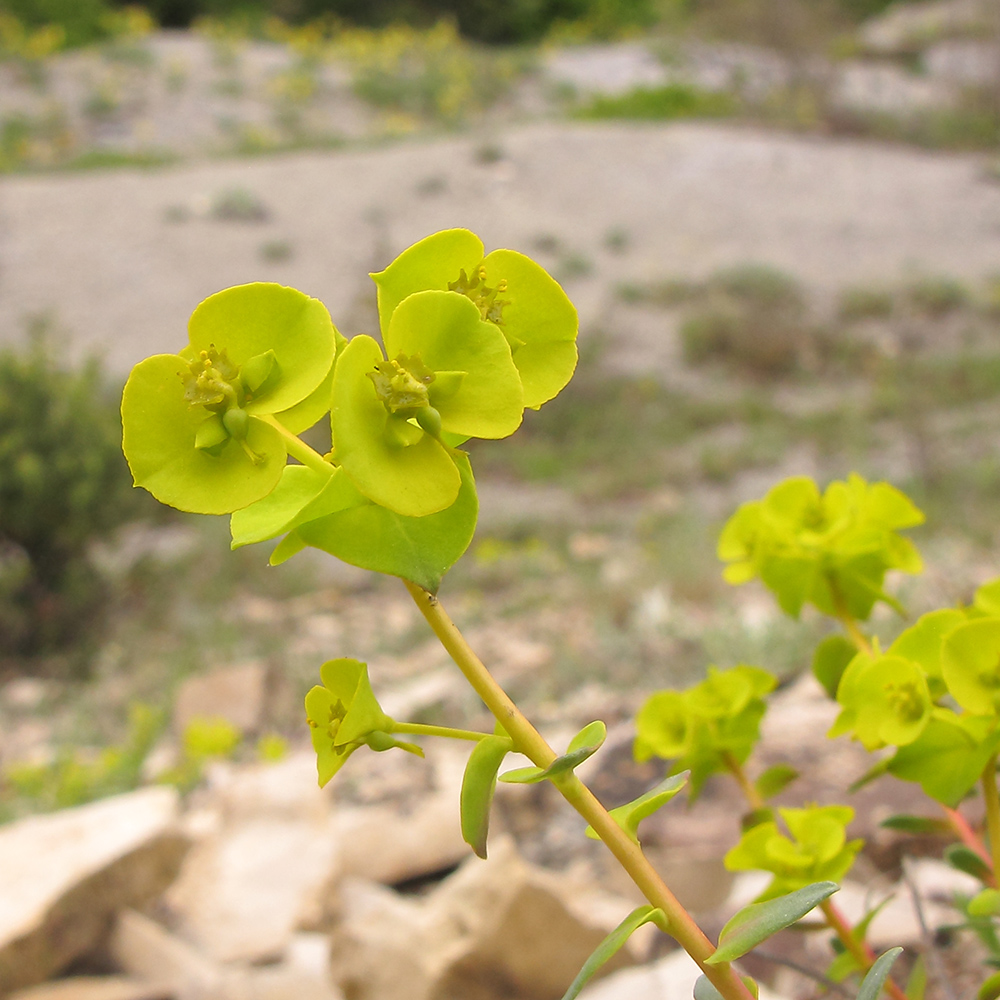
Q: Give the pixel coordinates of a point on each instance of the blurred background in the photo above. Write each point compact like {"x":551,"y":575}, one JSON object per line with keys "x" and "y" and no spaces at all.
{"x":780,"y":223}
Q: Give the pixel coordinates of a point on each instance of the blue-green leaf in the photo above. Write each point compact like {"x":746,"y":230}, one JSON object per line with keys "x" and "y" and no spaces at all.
{"x":758,"y":921}
{"x":585,"y":744}
{"x":871,"y":985}
{"x":478,"y":785}
{"x":613,"y":943}
{"x":630,"y":815}
{"x":964,"y":859}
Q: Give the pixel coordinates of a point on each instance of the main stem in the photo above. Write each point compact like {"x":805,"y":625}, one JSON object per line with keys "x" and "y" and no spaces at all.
{"x":992,"y":801}
{"x":529,"y":741}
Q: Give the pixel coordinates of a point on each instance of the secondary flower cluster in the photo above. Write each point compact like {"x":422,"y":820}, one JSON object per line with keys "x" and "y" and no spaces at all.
{"x":471,"y":340}
{"x":709,"y":726}
{"x":831,"y":550}
{"x":934,"y":694}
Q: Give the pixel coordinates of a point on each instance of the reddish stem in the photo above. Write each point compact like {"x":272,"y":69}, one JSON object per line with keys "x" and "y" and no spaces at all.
{"x":969,"y":837}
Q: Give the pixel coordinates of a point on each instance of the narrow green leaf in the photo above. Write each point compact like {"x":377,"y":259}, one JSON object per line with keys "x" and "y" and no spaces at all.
{"x":585,"y":744}
{"x":630,"y":815}
{"x":589,"y":740}
{"x":775,"y":779}
{"x":915,"y":824}
{"x":704,"y":990}
{"x":964,"y":859}
{"x":916,"y":985}
{"x":524,"y":776}
{"x":758,"y":921}
{"x":478,"y":785}
{"x":990,"y":990}
{"x":871,"y":985}
{"x":612,"y":944}
{"x":860,"y":929}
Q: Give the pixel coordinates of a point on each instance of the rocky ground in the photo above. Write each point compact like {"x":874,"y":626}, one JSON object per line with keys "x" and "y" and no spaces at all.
{"x":260,"y":885}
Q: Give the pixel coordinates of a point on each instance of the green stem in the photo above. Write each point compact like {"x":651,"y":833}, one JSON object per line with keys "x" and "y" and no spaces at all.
{"x":846,"y":619}
{"x":529,"y":741}
{"x":748,"y":788}
{"x":419,"y":729}
{"x":297,"y":448}
{"x":992,"y":813}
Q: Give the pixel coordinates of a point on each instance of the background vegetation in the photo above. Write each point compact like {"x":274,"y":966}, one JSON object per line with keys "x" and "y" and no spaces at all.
{"x":491,"y":21}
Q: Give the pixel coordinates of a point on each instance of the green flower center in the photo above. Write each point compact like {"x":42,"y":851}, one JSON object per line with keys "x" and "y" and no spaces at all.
{"x":212,"y":381}
{"x":486,"y":299}
{"x":401,"y":385}
{"x":224,"y":388}
{"x":905,"y":701}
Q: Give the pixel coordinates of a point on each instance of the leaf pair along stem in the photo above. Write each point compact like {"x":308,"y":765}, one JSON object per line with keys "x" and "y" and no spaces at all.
{"x":529,"y":741}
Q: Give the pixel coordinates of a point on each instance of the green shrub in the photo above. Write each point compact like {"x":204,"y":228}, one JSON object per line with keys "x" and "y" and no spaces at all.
{"x":936,"y":296}
{"x":864,"y":302}
{"x":432,"y":74}
{"x":83,"y":21}
{"x":63,"y":484}
{"x":74,"y":776}
{"x":752,"y":316}
{"x":675,"y":100}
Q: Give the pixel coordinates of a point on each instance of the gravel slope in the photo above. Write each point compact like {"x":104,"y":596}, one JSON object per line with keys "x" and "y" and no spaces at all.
{"x":99,"y":252}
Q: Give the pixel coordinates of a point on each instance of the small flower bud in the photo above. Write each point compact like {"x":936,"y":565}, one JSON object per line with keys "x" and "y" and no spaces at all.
{"x":236,"y":421}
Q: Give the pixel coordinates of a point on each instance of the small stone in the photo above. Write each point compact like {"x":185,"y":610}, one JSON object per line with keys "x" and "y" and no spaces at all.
{"x":237,"y":694}
{"x":495,"y":929}
{"x":244,"y":891}
{"x":64,"y":875}
{"x":95,"y":988}
{"x":143,"y":948}
{"x":286,"y":789}
{"x":379,"y":844}
{"x":420,"y":693}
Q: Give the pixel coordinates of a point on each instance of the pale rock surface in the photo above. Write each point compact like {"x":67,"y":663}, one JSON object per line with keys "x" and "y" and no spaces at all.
{"x":148,"y":950}
{"x":671,"y":978}
{"x":95,"y":988}
{"x":64,"y":875}
{"x":143,"y":948}
{"x":286,"y":789}
{"x":494,"y":929}
{"x":244,"y":890}
{"x":427,"y":690}
{"x":237,"y":694}
{"x":392,"y":842}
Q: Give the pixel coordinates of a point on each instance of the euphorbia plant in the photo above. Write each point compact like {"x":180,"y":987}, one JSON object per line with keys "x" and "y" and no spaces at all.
{"x":470,"y":340}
